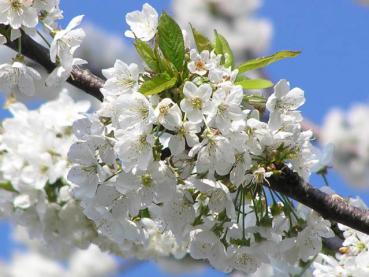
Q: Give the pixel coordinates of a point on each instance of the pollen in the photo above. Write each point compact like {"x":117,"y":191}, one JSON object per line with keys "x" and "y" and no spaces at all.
{"x":164,"y":110}
{"x":200,"y":65}
{"x":146,"y":180}
{"x":197,"y":103}
{"x":144,"y":111}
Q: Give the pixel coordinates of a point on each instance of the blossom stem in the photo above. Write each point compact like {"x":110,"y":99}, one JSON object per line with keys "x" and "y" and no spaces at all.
{"x":324,"y":176}
{"x":307,"y":266}
{"x":19,"y":46}
{"x":256,"y":212}
{"x":243,"y":214}
{"x":43,"y":38}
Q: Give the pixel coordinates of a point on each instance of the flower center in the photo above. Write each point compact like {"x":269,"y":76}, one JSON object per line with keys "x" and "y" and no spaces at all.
{"x":146,"y":180}
{"x":182,"y":131}
{"x":244,"y":260}
{"x":200,"y":65}
{"x":144,"y":111}
{"x":164,"y":110}
{"x":239,"y":158}
{"x":16,"y":4}
{"x":126,"y":82}
{"x":197,"y":103}
{"x":222,"y":108}
{"x":142,"y":140}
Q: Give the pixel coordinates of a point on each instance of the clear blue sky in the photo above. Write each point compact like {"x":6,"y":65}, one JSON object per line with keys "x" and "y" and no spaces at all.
{"x":333,"y":36}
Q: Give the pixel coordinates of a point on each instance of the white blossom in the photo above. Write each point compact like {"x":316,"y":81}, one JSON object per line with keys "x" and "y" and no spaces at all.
{"x":121,"y":78}
{"x":133,"y":111}
{"x":143,"y":23}
{"x":226,"y":108}
{"x":67,"y":41}
{"x":168,"y":114}
{"x":283,"y":103}
{"x":135,"y":150}
{"x":186,"y":133}
{"x":196,"y":102}
{"x":18,"y":78}
{"x":202,"y":62}
{"x":17,"y":14}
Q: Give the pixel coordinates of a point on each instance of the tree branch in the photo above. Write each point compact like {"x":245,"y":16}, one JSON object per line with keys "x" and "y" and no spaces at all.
{"x":331,"y":207}
{"x":80,"y":78}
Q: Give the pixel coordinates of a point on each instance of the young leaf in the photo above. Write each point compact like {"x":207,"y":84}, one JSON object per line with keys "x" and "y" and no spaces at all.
{"x":255,"y":83}
{"x":165,"y":65}
{"x":265,"y":61}
{"x":222,"y":47}
{"x":158,"y":84}
{"x":147,"y":54}
{"x":7,"y":186}
{"x":171,"y":41}
{"x":202,"y":42}
{"x":258,"y":101}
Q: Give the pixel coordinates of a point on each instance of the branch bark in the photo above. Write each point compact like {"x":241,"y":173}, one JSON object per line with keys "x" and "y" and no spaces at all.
{"x":331,"y":207}
{"x":80,"y":78}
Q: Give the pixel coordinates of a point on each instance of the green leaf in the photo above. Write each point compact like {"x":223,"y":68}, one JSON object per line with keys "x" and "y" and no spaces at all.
{"x":201,"y":41}
{"x":158,"y":84}
{"x":7,"y":186}
{"x":171,"y":41}
{"x":255,"y":83}
{"x":163,"y":64}
{"x":258,"y":101}
{"x":147,"y":54}
{"x":265,"y":61}
{"x":222,"y":47}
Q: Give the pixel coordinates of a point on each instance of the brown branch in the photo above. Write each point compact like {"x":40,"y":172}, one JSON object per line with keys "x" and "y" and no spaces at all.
{"x":331,"y":207}
{"x":80,"y":78}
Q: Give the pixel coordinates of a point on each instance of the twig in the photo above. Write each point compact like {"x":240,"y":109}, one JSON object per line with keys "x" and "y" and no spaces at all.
{"x":80,"y":78}
{"x":331,"y":207}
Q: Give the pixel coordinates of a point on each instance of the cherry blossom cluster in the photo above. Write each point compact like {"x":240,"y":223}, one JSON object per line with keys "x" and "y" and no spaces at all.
{"x":178,"y":160}
{"x":35,"y":194}
{"x":178,"y":157}
{"x":24,"y":16}
{"x":348,"y":132}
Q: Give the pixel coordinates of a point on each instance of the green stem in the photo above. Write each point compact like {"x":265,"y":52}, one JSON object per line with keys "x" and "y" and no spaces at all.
{"x":243,"y":215}
{"x":43,"y":38}
{"x":20,"y":46}
{"x":266,"y":202}
{"x":324,"y":176}
{"x":306,"y":267}
{"x":256,"y":212}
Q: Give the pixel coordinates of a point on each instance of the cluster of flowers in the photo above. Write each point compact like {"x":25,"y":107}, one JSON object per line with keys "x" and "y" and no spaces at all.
{"x":177,"y":157}
{"x":19,"y":16}
{"x":347,"y":131}
{"x":353,"y":259}
{"x":247,"y":34}
{"x":34,"y":146}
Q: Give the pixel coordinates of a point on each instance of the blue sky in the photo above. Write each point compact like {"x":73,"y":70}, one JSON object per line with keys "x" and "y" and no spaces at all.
{"x":332,"y":35}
